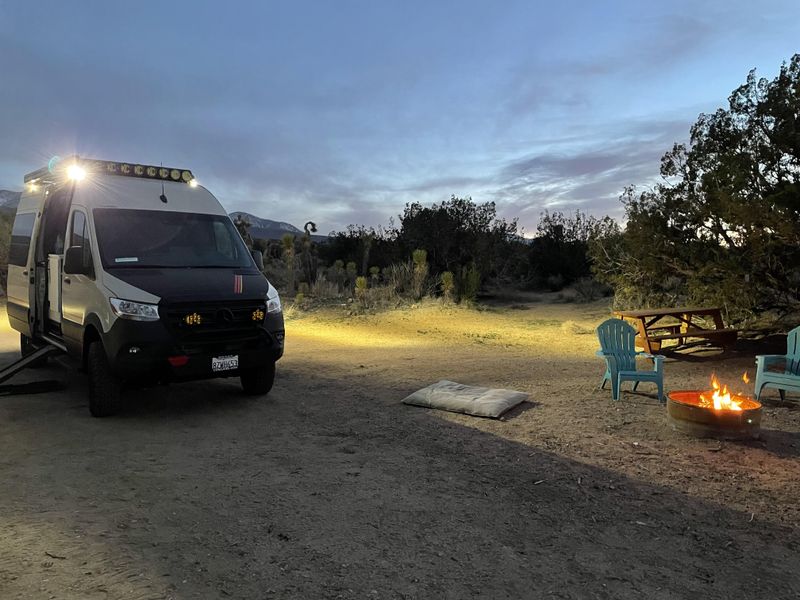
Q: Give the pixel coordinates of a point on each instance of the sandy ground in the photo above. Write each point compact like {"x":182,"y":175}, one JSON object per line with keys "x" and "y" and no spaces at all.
{"x":330,"y":488}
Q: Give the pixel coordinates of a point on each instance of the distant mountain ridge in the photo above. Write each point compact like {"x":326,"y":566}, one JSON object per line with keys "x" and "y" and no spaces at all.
{"x":267,"y":229}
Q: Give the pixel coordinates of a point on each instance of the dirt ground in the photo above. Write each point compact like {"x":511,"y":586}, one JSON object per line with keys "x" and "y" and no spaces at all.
{"x":331,"y":488}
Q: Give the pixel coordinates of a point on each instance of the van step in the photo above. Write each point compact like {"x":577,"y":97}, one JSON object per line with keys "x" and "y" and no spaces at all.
{"x":55,"y":342}
{"x":25,"y":362}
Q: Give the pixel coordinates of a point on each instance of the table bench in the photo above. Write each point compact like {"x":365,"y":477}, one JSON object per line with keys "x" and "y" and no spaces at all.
{"x":652,"y":331}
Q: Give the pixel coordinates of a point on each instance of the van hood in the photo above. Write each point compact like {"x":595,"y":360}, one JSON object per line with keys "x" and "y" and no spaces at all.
{"x":195,"y":284}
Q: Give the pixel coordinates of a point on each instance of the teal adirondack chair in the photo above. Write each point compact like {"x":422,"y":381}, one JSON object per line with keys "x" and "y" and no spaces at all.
{"x":617,"y":347}
{"x":781,"y":371}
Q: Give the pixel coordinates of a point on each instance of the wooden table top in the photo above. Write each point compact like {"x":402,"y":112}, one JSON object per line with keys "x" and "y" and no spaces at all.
{"x":667,"y":312}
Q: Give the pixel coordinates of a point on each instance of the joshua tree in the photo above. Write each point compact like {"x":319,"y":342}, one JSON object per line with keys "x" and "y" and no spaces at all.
{"x":288,"y":255}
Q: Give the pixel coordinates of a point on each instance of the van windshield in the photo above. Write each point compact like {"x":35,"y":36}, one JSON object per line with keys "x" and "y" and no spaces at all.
{"x":155,"y":238}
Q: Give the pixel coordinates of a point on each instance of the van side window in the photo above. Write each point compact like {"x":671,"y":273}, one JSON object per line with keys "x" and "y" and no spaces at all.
{"x":21,"y":239}
{"x":79,"y":236}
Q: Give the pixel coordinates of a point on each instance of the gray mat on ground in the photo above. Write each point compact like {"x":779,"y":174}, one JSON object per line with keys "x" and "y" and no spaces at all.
{"x":456,"y":397}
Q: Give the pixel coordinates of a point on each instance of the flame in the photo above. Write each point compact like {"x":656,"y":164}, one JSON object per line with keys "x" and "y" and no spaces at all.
{"x":745,"y":378}
{"x":721,"y":399}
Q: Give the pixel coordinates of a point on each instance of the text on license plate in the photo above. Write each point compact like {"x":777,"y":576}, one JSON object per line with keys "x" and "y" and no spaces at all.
{"x":225,"y":363}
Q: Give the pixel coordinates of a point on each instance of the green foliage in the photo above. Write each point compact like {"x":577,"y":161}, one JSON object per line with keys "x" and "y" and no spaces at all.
{"x":724,"y":227}
{"x":287,"y":243}
{"x":555,"y":282}
{"x":447,"y":283}
{"x":419,"y":258}
{"x":457,"y":232}
{"x":308,"y":259}
{"x":469,"y":283}
{"x":336,"y":274}
{"x":362,"y":245}
{"x":322,"y":289}
{"x":588,"y":290}
{"x":350,"y":274}
{"x":420,"y":272}
{"x":361,"y":292}
{"x":400,"y":277}
{"x":559,"y":254}
{"x":375,"y":274}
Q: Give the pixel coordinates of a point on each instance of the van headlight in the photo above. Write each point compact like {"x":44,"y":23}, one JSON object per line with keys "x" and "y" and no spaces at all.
{"x":273,"y":301}
{"x":136,"y":311}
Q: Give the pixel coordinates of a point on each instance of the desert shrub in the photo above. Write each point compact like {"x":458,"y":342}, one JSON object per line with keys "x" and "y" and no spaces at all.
{"x":275,"y":272}
{"x":400,"y":277}
{"x":287,"y":242}
{"x":360,"y":292}
{"x":448,"y":285}
{"x":469,"y":283}
{"x":350,"y":272}
{"x":555,"y":282}
{"x":336,"y":274}
{"x":375,"y":275}
{"x":588,"y":290}
{"x":322,"y":289}
{"x":420,"y":272}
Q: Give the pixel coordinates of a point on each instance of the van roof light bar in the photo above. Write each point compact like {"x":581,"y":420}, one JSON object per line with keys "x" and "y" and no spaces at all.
{"x":57,"y":169}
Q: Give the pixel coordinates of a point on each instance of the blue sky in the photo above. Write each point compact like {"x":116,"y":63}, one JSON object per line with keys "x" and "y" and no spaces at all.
{"x":341,"y":112}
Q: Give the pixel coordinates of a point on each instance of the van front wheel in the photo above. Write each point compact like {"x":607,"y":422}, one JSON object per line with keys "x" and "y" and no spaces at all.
{"x":258,"y":381}
{"x":105,"y":389}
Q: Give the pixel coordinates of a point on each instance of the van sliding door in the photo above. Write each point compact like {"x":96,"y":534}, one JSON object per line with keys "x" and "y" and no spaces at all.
{"x":50,"y":241}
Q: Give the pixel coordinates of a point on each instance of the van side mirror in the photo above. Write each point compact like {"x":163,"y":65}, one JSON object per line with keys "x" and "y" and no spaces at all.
{"x":259,"y":258}
{"x":73,"y":262}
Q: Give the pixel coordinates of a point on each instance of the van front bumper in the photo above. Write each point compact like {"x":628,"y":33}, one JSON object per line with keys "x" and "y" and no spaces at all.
{"x":147,"y":352}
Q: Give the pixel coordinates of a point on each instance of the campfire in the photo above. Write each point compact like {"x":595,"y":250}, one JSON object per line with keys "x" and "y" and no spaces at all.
{"x":715,"y":413}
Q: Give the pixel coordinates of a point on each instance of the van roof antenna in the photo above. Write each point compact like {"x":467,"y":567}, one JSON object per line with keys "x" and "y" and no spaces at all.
{"x":163,"y":196}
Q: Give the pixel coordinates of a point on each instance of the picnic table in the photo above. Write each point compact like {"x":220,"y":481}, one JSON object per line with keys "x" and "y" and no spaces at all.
{"x":656,"y":325}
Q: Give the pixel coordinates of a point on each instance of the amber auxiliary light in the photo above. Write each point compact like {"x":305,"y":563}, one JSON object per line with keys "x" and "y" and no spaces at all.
{"x":193,"y":319}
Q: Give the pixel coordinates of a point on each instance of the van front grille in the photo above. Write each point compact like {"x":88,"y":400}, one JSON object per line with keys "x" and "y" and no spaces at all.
{"x":215,"y":324}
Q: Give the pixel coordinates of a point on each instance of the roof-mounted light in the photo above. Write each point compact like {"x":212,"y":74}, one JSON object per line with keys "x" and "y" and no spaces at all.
{"x":76,"y":173}
{"x":92,"y":167}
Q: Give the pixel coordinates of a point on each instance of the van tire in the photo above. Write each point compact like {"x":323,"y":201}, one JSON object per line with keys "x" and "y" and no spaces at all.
{"x":27,"y":347}
{"x":258,"y":381}
{"x":105,"y":389}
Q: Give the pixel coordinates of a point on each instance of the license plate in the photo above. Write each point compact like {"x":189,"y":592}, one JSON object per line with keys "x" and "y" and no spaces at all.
{"x":225,"y":363}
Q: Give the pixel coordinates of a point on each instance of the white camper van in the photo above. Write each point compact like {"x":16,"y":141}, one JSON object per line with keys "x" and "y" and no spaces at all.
{"x":139,"y":273}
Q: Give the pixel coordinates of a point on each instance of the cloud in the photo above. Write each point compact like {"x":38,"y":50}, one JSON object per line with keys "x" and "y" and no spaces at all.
{"x":589,"y":178}
{"x":343,"y":114}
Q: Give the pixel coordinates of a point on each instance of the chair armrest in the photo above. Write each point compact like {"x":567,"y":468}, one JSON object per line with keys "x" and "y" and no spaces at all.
{"x":658,"y":360}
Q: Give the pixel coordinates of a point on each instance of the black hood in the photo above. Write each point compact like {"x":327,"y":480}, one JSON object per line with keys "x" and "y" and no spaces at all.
{"x":196,"y":284}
